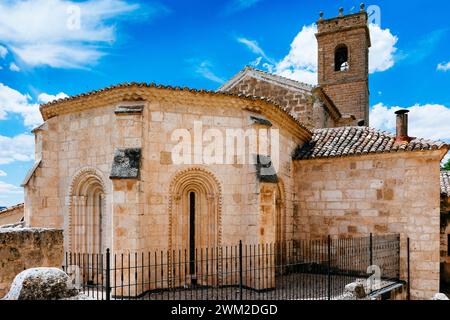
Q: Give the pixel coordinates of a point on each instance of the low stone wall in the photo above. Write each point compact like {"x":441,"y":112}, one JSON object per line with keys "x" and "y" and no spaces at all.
{"x":23,"y":248}
{"x":381,"y":194}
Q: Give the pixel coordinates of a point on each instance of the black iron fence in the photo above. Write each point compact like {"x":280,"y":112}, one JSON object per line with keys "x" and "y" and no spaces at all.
{"x":302,"y":269}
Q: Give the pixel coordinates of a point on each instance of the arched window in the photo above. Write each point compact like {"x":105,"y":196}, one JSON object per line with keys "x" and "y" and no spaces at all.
{"x":87,"y":221}
{"x":192,"y":232}
{"x":87,"y":214}
{"x":195,"y":223}
{"x":341,"y":58}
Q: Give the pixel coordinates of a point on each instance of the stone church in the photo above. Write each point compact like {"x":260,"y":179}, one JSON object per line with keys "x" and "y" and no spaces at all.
{"x":105,"y":169}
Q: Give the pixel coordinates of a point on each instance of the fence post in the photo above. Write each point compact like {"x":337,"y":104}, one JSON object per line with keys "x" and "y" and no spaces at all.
{"x":108,"y":279}
{"x":371,"y":250}
{"x":409,"y":275}
{"x":240,"y":269}
{"x":329,"y":267}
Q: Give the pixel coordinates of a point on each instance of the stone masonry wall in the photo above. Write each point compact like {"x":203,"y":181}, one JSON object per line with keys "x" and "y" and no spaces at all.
{"x":135,"y":211}
{"x":347,"y":89}
{"x":299,"y":104}
{"x":445,"y":231}
{"x":350,"y":98}
{"x":12,"y":215}
{"x":381,"y":194}
{"x":21,"y":249}
{"x":239,"y":218}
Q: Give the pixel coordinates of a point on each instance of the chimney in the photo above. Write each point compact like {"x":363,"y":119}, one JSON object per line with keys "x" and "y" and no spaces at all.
{"x":402,"y":127}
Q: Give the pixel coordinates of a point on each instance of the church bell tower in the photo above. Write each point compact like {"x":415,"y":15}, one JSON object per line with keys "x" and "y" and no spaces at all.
{"x":343,"y":66}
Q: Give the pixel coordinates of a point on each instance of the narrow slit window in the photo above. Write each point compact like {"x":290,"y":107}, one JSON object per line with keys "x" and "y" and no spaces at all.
{"x":192,"y":255}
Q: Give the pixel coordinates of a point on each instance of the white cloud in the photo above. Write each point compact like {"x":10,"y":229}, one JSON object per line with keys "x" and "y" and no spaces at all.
{"x":256,"y":62}
{"x":430,"y":121}
{"x":382,"y":51}
{"x":3,"y":52}
{"x":3,"y":173}
{"x":443,"y":66}
{"x":46,"y":98}
{"x":12,"y":101}
{"x":301,"y":61}
{"x":254,"y":47}
{"x":18,"y":148}
{"x":7,"y":190}
{"x":239,"y":5}
{"x":204,"y":69}
{"x":14,"y":67}
{"x":63,"y":33}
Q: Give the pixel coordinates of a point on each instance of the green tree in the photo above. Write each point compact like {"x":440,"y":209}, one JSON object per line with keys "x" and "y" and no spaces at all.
{"x":446,"y":166}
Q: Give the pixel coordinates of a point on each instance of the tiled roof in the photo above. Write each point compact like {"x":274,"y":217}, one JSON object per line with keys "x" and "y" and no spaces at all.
{"x":353,"y":141}
{"x":140,"y":85}
{"x":445,"y":183}
{"x":12,"y":208}
{"x":265,"y":76}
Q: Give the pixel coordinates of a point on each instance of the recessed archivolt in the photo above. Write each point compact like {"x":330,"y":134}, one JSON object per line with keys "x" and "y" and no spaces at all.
{"x":87,"y":182}
{"x":208,"y":191}
{"x":197,"y":180}
{"x":199,"y":174}
{"x":85,"y":174}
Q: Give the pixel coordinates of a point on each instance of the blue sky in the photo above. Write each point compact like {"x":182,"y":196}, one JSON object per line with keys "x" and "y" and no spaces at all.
{"x":54,"y":48}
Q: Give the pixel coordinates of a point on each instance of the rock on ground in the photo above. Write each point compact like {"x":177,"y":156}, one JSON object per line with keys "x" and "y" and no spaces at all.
{"x":440,"y":296}
{"x":80,"y":296}
{"x":41,"y":284}
{"x":354,"y":291}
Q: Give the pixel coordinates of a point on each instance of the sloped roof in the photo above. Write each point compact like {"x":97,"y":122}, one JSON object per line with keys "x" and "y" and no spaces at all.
{"x":52,"y":108}
{"x":353,"y":141}
{"x":445,"y":183}
{"x":267,"y":77}
{"x":31,"y":172}
{"x":19,"y":206}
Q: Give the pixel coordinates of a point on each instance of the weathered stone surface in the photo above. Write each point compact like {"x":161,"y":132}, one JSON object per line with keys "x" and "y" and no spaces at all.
{"x":440,"y":296}
{"x":295,"y":97}
{"x":355,"y":290}
{"x":80,"y":296}
{"x":265,"y":170}
{"x":445,"y":183}
{"x":126,"y":164}
{"x":23,"y":248}
{"x":129,"y":109}
{"x":14,"y":225}
{"x":383,"y":193}
{"x":11,"y":216}
{"x":344,"y":88}
{"x":260,"y":120}
{"x":41,"y":284}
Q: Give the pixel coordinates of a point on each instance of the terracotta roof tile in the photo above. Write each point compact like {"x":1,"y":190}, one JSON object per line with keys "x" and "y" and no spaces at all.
{"x":43,"y":107}
{"x":445,"y":183}
{"x":352,"y":141}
